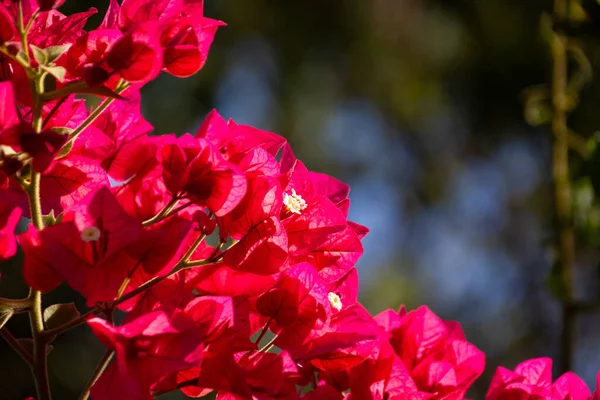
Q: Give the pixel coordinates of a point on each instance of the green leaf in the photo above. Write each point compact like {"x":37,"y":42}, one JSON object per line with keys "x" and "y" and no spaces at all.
{"x":62,"y":130}
{"x":68,"y":146}
{"x":66,"y":149}
{"x":54,"y":52}
{"x":59,"y":314}
{"x":81,"y":87}
{"x":39,"y":55}
{"x":57,"y":72}
{"x":45,"y":57}
{"x":49,"y":219}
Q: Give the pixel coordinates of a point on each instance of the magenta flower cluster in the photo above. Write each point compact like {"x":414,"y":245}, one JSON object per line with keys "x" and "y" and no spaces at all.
{"x":269,"y":309}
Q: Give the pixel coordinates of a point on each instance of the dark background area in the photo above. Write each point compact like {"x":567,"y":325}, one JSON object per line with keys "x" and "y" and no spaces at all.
{"x":420,"y":107}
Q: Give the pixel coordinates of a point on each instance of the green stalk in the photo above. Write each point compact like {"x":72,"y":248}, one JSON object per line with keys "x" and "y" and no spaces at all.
{"x":102,"y":365}
{"x":562,"y":188}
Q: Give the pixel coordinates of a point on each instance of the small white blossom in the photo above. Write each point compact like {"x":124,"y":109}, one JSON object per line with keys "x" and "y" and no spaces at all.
{"x":294,"y":202}
{"x":90,"y":234}
{"x":335,"y":301}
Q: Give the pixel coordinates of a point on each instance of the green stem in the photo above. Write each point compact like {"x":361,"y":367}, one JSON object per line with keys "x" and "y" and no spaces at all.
{"x":162,"y":213}
{"x":198,"y":263}
{"x":268,"y":346}
{"x":264,"y":331}
{"x":4,"y":318}
{"x":102,"y":365}
{"x":167,"y":215}
{"x":22,"y":32}
{"x":8,"y":54}
{"x":50,"y":333}
{"x":186,"y":257}
{"x":15,"y":306}
{"x":562,"y":189}
{"x":39,"y":367}
{"x":97,"y":111}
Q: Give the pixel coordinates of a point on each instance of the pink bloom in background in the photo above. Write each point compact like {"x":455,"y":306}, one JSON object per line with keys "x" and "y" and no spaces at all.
{"x":435,"y":352}
{"x":533,"y":379}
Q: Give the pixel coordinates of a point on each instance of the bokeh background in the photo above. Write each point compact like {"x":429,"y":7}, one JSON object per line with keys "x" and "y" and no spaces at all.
{"x":420,"y":106}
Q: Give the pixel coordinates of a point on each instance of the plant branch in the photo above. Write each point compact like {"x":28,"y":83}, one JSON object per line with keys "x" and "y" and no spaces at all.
{"x":162,"y":213}
{"x":102,"y":365}
{"x":181,"y":264}
{"x":16,"y":306}
{"x":39,"y":366}
{"x":72,"y":324}
{"x":97,"y":111}
{"x":4,"y":318}
{"x":562,"y":190}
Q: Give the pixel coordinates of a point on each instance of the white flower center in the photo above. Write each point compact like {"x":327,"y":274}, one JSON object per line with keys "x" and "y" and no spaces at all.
{"x":294,"y":202}
{"x":335,"y":301}
{"x":90,"y":234}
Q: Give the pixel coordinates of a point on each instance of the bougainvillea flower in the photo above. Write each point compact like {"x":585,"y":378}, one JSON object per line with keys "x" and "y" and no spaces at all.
{"x":250,"y":375}
{"x":596,"y":394}
{"x":219,"y":279}
{"x":263,"y":200}
{"x":7,"y":25}
{"x":283,"y":301}
{"x":383,"y":376}
{"x":46,"y":5}
{"x":185,"y":49}
{"x":55,"y":29}
{"x":133,"y":12}
{"x":263,"y":250}
{"x":68,"y":181}
{"x":234,"y":141}
{"x":144,"y":193}
{"x":146,"y":349}
{"x":88,"y":248}
{"x":533,"y":379}
{"x":323,"y":392}
{"x":137,"y":56}
{"x":9,"y":119}
{"x":317,"y":229}
{"x":345,"y":340}
{"x":194,"y":168}
{"x":68,"y":112}
{"x":434,"y":352}
{"x":42,"y":147}
{"x":122,"y":124}
{"x":86,"y":56}
{"x":570,"y":387}
{"x":320,"y":235}
{"x":10,"y":214}
{"x":334,"y":189}
{"x":166,"y":295}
